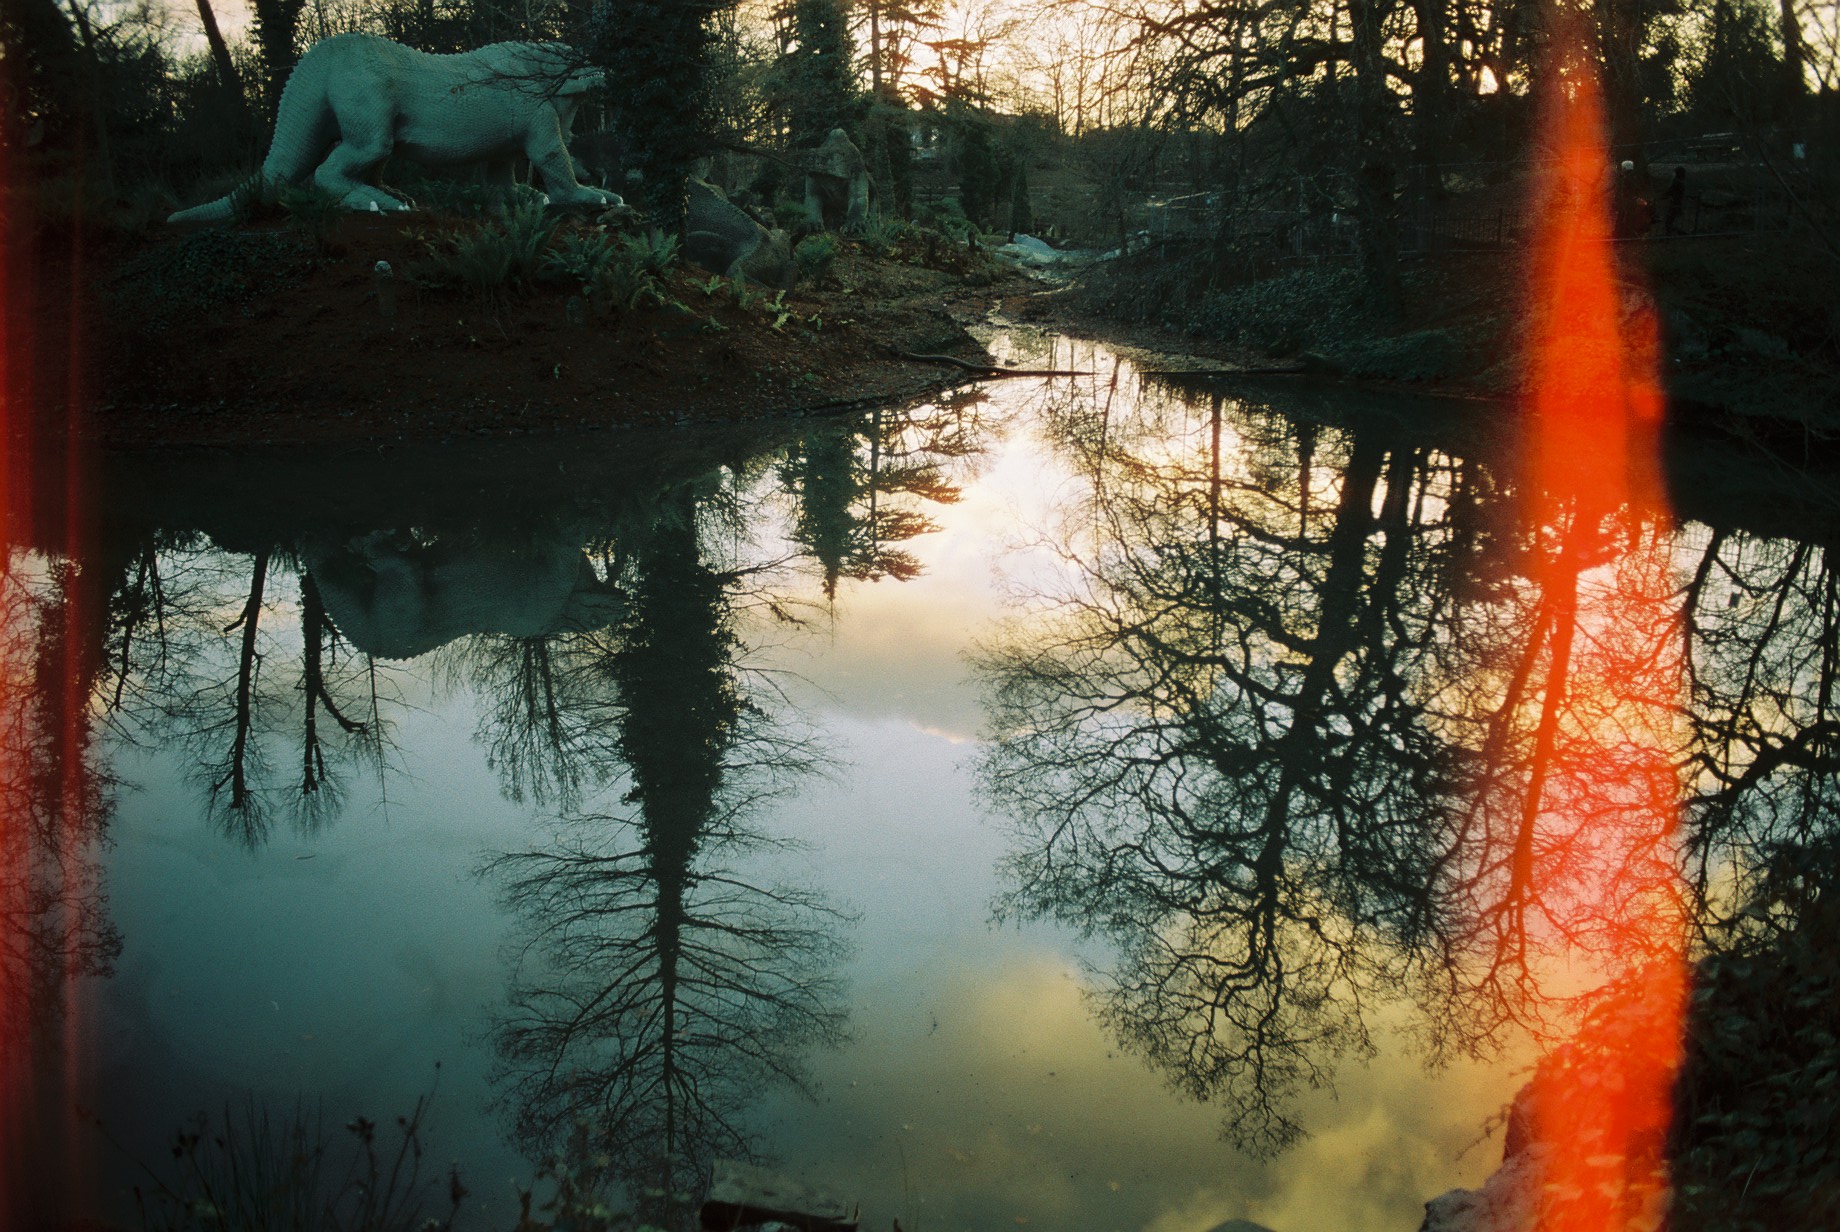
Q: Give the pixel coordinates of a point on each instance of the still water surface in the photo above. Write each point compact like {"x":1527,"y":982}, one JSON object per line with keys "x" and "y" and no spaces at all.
{"x":1053,"y":806}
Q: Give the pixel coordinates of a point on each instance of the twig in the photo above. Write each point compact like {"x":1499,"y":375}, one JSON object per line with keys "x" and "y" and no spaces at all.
{"x":988,"y":370}
{"x":1226,"y":372}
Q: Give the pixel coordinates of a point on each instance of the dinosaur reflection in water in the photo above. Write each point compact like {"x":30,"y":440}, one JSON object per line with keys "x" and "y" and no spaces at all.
{"x":1276,"y":725}
{"x":666,"y":983}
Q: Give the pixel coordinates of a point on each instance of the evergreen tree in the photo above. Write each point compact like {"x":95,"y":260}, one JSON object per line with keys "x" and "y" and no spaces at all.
{"x":819,"y":75}
{"x":660,"y":53}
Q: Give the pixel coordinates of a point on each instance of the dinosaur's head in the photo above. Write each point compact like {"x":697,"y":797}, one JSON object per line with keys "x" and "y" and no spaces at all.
{"x":582,"y":80}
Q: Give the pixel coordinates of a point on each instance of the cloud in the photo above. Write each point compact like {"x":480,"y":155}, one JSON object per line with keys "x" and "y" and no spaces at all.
{"x":982,"y":1094}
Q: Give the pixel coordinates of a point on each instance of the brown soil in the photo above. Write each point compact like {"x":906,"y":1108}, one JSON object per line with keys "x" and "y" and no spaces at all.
{"x":262,"y":336}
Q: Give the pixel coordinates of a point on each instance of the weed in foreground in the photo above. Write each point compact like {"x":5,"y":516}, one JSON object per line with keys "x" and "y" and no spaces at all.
{"x":257,"y":1173}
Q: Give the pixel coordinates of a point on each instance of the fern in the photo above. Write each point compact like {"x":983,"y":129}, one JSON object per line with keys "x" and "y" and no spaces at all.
{"x":653,"y":252}
{"x":581,"y":256}
{"x":526,"y":234}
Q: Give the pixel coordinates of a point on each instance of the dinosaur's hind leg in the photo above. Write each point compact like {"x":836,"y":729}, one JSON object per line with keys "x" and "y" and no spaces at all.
{"x":344,"y":171}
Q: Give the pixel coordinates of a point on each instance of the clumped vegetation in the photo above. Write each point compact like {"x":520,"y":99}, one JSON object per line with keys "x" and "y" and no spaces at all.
{"x":256,"y":1172}
{"x":815,"y":255}
{"x":1758,"y":1107}
{"x":212,"y":269}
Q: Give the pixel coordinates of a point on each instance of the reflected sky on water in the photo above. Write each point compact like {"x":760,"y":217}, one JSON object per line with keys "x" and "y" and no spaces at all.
{"x":979,"y":808}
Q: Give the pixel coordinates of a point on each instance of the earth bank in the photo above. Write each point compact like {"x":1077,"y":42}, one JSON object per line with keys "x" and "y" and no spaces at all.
{"x":284,"y":333}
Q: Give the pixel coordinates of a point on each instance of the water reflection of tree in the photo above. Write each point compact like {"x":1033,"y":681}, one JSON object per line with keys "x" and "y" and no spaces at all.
{"x":1763,"y":626}
{"x":180,"y":674}
{"x":1558,"y":703}
{"x":660,"y":988}
{"x":54,"y":810}
{"x":1212,"y":755}
{"x":859,"y":479}
{"x":1289,"y":727}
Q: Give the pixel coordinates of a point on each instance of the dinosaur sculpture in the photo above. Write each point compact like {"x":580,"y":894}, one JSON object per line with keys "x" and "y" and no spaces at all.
{"x":721,"y":237}
{"x":837,"y":185}
{"x":354,"y":99}
{"x":396,"y":596}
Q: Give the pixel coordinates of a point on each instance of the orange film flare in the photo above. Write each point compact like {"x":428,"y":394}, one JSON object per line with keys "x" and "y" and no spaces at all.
{"x":51,"y":611}
{"x":1604,"y":800}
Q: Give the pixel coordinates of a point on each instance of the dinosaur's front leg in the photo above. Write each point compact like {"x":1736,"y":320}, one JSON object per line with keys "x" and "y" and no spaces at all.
{"x":549,"y":157}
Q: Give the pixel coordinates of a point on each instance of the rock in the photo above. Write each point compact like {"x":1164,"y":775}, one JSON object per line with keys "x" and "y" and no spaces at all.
{"x":742,"y":1195}
{"x":723,"y":239}
{"x":1032,"y":253}
{"x":1761,"y":343}
{"x":1509,"y":1201}
{"x":1687,"y":339}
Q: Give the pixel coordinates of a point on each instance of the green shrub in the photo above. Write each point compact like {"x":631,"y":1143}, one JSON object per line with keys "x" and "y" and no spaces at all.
{"x":318,"y":213}
{"x":527,"y":230}
{"x":881,"y":232}
{"x":790,"y":214}
{"x":626,"y":284}
{"x":1290,"y":313}
{"x":494,"y":257}
{"x":815,"y":255}
{"x":479,"y":261}
{"x":947,"y":216}
{"x":1423,"y":355}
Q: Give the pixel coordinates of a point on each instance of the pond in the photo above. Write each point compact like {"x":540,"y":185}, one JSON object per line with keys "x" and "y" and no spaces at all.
{"x":1071,"y":803}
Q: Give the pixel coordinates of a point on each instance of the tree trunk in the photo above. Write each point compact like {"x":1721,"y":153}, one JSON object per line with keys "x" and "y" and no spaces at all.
{"x":1620,"y":31}
{"x":99,"y":118}
{"x":276,"y":23}
{"x":1432,"y":85}
{"x":1795,"y":59}
{"x":220,"y":51}
{"x":1379,"y":242}
{"x":875,"y":46}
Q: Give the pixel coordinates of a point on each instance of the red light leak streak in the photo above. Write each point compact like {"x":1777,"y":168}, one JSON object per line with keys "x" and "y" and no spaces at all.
{"x":49,"y":627}
{"x":1597,"y":850}
{"x":15,"y":1050}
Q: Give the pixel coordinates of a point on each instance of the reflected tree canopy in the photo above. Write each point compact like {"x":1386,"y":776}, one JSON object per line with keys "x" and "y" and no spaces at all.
{"x":1211,"y":754}
{"x":1281,"y":722}
{"x":859,"y":483}
{"x":55,"y":803}
{"x":662,"y":986}
{"x":667,"y":975}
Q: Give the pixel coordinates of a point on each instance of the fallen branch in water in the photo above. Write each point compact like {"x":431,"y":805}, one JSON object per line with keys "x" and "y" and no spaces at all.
{"x":986,"y":369}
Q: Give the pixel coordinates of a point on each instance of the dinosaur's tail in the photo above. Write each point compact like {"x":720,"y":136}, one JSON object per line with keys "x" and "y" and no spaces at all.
{"x":304,"y":129}
{"x":224,"y":208}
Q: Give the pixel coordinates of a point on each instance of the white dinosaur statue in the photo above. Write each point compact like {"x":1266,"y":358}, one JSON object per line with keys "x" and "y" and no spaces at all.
{"x":354,"y":99}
